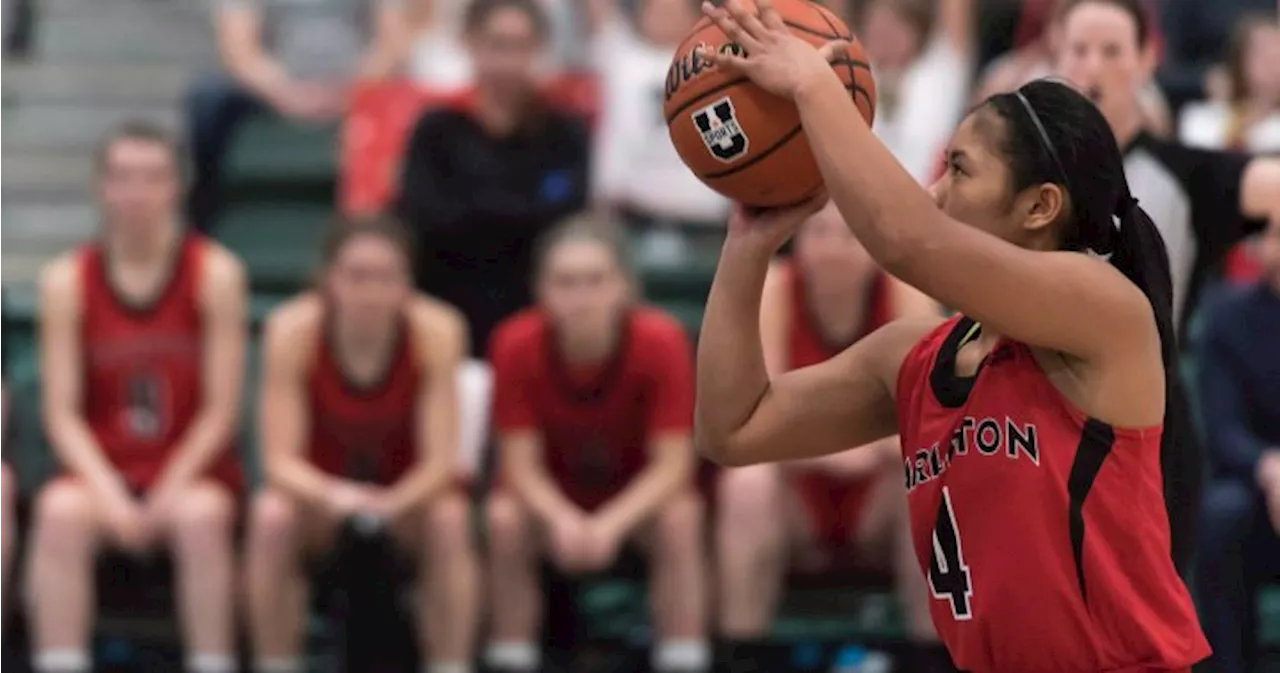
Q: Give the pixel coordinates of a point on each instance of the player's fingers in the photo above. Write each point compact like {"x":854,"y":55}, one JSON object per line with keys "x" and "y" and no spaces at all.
{"x":730,"y":27}
{"x":725,"y":58}
{"x":746,"y":18}
{"x":833,"y":50}
{"x":769,"y":15}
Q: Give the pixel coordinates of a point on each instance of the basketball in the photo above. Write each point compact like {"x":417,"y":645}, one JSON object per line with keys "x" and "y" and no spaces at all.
{"x":741,"y":140}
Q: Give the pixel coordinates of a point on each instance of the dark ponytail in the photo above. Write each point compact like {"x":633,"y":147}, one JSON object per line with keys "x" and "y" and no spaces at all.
{"x":1056,"y":135}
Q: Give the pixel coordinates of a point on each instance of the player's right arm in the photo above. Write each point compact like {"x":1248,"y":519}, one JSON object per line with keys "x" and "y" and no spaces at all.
{"x":238,"y":28}
{"x":744,"y":416}
{"x":283,"y":414}
{"x":61,"y":368}
{"x":520,"y":445}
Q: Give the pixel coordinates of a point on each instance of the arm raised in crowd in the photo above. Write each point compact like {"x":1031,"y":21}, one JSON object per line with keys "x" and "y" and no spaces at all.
{"x":441,"y":334}
{"x":223,"y":299}
{"x":392,"y":40}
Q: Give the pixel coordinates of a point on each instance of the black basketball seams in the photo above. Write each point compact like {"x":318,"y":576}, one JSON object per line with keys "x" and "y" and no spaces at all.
{"x":833,"y":35}
{"x":758,"y":157}
{"x":846,"y":61}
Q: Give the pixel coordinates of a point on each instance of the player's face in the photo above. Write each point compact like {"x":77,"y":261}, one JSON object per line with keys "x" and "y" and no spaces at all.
{"x":138,"y":184}
{"x":1100,"y":55}
{"x":666,"y":21}
{"x":975,"y":187}
{"x":368,"y":281}
{"x":506,"y":51}
{"x":582,"y":287}
{"x":890,"y":40}
{"x":827,"y":249}
{"x":1260,"y":71}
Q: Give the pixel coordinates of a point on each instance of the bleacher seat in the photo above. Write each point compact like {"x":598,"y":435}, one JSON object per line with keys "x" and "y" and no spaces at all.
{"x":269,"y":149}
{"x":278,"y":241}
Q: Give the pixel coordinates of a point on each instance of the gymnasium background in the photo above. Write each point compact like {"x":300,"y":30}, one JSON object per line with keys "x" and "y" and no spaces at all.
{"x":73,"y":68}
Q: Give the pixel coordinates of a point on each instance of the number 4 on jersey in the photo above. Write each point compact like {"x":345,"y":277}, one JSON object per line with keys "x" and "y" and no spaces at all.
{"x":948,"y":574}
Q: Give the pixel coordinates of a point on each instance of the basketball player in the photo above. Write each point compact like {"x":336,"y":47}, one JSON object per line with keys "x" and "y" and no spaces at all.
{"x":142,"y":342}
{"x":825,"y":297}
{"x":359,"y":418}
{"x":593,"y":409}
{"x":1203,"y":202}
{"x":1031,"y":436}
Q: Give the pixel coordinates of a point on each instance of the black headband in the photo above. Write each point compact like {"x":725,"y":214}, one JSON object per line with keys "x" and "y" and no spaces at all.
{"x":1044,"y":137}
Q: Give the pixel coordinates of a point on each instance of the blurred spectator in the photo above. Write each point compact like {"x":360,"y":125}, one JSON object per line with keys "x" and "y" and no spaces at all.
{"x":1196,"y":36}
{"x":8,"y":504}
{"x":637,"y":170}
{"x":294,"y":59}
{"x":484,"y":179}
{"x":922,"y":55}
{"x":142,"y":347}
{"x":1249,"y":117}
{"x":359,"y":419}
{"x":1240,"y":530}
{"x":810,"y":513}
{"x":594,"y":410}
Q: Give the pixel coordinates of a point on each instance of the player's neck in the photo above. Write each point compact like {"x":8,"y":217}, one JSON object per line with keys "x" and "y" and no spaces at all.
{"x":141,"y":246}
{"x":587,"y":348}
{"x":839,"y":307}
{"x":362,"y":341}
{"x":1126,"y":124}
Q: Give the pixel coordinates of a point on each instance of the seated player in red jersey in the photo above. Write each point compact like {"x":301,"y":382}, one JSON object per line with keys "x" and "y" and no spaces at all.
{"x":825,"y":297}
{"x":593,"y":409}
{"x":1032,"y":424}
{"x":360,"y":419}
{"x":142,"y":344}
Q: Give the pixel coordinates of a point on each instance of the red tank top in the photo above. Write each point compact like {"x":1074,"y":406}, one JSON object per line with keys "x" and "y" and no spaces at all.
{"x":1042,"y":531}
{"x":805,"y":343}
{"x":365,"y":432}
{"x":143,"y":366}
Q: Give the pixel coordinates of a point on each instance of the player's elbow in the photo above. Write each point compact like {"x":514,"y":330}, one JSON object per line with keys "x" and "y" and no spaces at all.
{"x":719,"y":448}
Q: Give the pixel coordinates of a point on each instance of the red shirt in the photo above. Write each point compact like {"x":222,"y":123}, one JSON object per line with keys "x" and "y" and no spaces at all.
{"x":596,"y":422}
{"x":144,"y":375}
{"x":1043,"y":531}
{"x":365,"y":432}
{"x":805,"y":343}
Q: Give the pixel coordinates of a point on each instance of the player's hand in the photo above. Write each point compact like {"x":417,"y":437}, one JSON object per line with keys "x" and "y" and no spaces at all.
{"x":603,"y":541}
{"x":775,"y":59}
{"x":309,"y":102}
{"x":127,"y":523}
{"x":347,"y":499}
{"x":772,"y":226}
{"x":568,"y":533}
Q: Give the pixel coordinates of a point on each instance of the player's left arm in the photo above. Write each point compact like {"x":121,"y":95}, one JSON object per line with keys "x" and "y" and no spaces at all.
{"x":670,"y":425}
{"x":392,"y":40}
{"x":440,"y":335}
{"x":223,"y":297}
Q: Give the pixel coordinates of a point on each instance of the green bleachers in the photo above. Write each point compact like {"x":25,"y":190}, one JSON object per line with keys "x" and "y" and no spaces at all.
{"x":268,"y":150}
{"x":278,"y":241}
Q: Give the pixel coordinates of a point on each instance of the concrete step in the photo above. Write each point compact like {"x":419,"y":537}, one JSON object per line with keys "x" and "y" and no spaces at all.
{"x":61,"y":128}
{"x":180,"y":9}
{"x":119,"y":37}
{"x":21,"y":270}
{"x":47,"y":176}
{"x":43,"y":226}
{"x":38,"y":82}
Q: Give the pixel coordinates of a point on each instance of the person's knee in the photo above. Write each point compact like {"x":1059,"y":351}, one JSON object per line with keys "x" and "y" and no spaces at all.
{"x":448,"y":524}
{"x":678,"y":529}
{"x":748,"y":499}
{"x":273,"y":522}
{"x":506,"y":524}
{"x":64,"y":516}
{"x":205,"y":513}
{"x":1226,"y":516}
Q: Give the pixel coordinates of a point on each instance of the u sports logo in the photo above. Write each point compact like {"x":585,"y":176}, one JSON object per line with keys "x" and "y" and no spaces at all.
{"x":720,"y":130}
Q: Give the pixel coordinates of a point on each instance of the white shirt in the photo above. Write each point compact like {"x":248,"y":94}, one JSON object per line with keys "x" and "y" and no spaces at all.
{"x":1205,"y":125}
{"x":930,"y":102}
{"x":634,"y":161}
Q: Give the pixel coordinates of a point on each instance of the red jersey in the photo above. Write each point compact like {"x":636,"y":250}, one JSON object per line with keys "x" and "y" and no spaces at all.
{"x":833,"y":505}
{"x":596,"y":421}
{"x":1042,"y":531}
{"x":367,"y":432}
{"x":144,"y":375}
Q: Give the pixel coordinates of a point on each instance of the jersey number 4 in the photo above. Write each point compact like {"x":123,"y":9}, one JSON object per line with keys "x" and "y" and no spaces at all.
{"x":948,"y":574}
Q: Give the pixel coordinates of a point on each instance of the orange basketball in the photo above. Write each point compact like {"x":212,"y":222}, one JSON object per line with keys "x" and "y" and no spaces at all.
{"x":739,"y":139}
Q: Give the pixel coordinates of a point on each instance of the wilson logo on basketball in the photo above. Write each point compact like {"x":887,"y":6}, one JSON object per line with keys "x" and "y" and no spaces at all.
{"x":720,"y":130}
{"x":695,"y":63}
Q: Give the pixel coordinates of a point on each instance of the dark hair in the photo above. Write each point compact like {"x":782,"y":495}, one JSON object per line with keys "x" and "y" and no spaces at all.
{"x":479,"y":12}
{"x":1137,"y":9}
{"x":1238,"y":51}
{"x":139,"y":130}
{"x":1053,"y":134}
{"x":342,"y":230}
{"x":584,"y":228}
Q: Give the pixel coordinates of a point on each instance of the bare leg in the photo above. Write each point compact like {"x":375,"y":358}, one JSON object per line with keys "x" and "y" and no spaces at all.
{"x":750,"y":549}
{"x":450,"y":581}
{"x":514,"y":594}
{"x":678,"y":591}
{"x":200,"y":535}
{"x":275,"y":590}
{"x":66,"y":537}
{"x":8,"y":500}
{"x":885,"y":533}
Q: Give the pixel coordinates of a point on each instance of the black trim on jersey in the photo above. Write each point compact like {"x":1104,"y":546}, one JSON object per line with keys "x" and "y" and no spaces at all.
{"x":145,"y":307}
{"x":951,"y":389}
{"x":378,"y":384}
{"x":1096,"y":440}
{"x":595,"y":390}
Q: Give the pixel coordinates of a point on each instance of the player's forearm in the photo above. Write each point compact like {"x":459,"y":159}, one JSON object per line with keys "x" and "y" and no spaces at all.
{"x":209,"y":435}
{"x":731,"y":373}
{"x":77,"y":449}
{"x":298,"y":478}
{"x":642,"y":497}
{"x":418,"y":486}
{"x":541,"y":495}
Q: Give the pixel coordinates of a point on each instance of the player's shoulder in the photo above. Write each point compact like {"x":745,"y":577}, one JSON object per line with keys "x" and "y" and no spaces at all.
{"x":651,"y":324}
{"x":218,"y":263}
{"x":897,"y":339}
{"x":436,"y":322}
{"x":60,"y":275}
{"x":294,"y":322}
{"x":522,"y":330}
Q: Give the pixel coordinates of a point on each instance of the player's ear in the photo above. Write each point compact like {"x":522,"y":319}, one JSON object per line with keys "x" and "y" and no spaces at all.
{"x":1042,"y":205}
